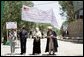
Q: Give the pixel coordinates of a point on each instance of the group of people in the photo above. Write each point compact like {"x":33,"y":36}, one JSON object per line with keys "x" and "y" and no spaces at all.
{"x":51,"y":46}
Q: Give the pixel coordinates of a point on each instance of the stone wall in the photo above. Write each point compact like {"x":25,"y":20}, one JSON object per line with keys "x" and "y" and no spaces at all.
{"x":75,"y":28}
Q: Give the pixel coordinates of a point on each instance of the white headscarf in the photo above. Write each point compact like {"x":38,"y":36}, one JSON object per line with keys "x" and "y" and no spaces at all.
{"x":49,"y":27}
{"x":38,"y":33}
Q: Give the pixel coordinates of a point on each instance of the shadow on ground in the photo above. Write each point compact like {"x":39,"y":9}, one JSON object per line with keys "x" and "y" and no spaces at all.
{"x":11,"y":54}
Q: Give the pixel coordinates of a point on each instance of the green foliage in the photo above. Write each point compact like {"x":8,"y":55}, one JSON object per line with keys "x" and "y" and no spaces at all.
{"x":43,"y":26}
{"x":12,"y":12}
{"x":67,"y":6}
{"x":58,"y":32}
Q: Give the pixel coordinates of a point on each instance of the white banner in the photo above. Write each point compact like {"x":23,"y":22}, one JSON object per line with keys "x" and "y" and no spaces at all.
{"x":11,"y":25}
{"x":35,"y":15}
{"x":54,"y":21}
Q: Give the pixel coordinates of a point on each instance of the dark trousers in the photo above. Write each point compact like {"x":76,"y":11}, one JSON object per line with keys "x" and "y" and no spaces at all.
{"x":23,"y":45}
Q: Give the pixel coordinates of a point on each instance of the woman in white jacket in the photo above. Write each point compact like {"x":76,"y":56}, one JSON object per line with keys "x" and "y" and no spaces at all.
{"x":36,"y":43}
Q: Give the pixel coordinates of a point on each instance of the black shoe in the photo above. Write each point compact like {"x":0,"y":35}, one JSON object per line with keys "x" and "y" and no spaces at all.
{"x":33,"y":53}
{"x":38,"y":53}
{"x":49,"y":53}
{"x":53,"y":53}
{"x":21,"y":53}
{"x":24,"y":53}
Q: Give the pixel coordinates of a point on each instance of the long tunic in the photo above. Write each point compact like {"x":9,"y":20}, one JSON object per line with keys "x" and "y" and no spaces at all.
{"x":51,"y":42}
{"x":36,"y":43}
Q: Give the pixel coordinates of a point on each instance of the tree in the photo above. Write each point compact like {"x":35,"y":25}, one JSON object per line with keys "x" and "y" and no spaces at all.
{"x":67,"y":6}
{"x":12,"y":12}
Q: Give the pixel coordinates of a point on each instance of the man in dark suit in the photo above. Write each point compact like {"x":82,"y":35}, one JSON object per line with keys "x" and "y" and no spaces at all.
{"x":23,"y":36}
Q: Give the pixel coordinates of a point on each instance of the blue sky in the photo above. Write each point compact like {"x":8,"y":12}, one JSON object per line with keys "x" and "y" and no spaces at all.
{"x":46,"y":5}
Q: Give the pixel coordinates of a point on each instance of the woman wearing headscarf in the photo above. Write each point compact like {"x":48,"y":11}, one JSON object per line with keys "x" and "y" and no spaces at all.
{"x":36,"y":43}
